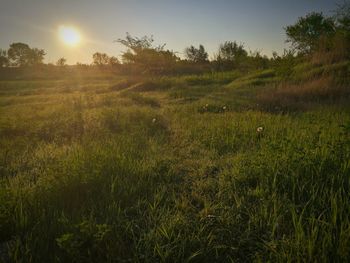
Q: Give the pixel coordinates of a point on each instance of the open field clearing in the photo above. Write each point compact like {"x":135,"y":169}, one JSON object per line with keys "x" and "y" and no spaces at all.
{"x":226,"y":139}
{"x":193,"y":168}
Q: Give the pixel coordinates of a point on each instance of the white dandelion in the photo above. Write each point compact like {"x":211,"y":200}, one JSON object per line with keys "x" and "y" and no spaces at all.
{"x":260,"y":129}
{"x":154,"y":120}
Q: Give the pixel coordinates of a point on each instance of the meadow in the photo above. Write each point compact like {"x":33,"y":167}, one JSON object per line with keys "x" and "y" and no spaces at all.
{"x":217,"y":167}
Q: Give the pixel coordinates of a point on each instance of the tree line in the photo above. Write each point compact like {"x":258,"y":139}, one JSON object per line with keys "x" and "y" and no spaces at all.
{"x":312,"y":34}
{"x":20,"y":54}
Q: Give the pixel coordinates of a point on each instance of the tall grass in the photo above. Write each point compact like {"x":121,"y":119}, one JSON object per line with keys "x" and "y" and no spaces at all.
{"x":137,"y":171}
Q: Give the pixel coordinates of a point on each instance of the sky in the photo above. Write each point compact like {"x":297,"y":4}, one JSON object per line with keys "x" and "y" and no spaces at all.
{"x":258,"y":24}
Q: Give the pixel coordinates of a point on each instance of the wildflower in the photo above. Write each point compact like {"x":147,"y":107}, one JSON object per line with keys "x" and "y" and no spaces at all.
{"x":207,"y":105}
{"x":224,"y":108}
{"x":259,"y":129}
{"x":154,"y":120}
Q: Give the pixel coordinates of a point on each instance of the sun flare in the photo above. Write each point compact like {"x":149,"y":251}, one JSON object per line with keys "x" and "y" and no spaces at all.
{"x":69,"y":35}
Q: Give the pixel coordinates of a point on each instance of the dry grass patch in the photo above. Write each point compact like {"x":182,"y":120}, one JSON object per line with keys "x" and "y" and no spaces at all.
{"x":300,"y":95}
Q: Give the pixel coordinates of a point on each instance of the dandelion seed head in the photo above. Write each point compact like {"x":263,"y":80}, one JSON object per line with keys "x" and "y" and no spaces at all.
{"x":259,"y":129}
{"x":154,"y":120}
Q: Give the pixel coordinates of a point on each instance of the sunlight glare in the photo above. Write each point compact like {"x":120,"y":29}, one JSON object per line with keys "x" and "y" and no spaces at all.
{"x":69,"y":35}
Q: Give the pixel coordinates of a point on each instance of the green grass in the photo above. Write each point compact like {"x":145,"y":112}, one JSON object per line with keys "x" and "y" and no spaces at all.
{"x":307,"y":71}
{"x":170,"y":170}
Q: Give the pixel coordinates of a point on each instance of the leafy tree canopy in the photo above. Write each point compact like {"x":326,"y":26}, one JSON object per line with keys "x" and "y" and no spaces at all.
{"x":305,"y":34}
{"x":20,"y":54}
{"x":143,"y":53}
{"x":196,"y":55}
{"x":232,"y":51}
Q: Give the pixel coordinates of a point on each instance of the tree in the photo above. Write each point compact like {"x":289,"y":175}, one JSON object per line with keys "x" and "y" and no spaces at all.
{"x":196,"y":55}
{"x":113,"y":61}
{"x":142,"y":54}
{"x":341,"y":43}
{"x":231,"y":51}
{"x":100,"y":59}
{"x":4,"y":61}
{"x":139,"y":49}
{"x":21,"y":54}
{"x":61,"y":62}
{"x":342,"y":18}
{"x":36,"y":56}
{"x":305,"y":34}
{"x":18,"y":54}
{"x":230,"y":55}
{"x":136,"y":43}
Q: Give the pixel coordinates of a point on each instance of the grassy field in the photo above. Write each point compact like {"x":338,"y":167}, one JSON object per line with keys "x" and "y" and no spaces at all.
{"x":222,"y":167}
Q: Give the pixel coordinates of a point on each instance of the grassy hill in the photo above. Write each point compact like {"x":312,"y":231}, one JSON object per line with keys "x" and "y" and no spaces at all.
{"x":225,"y":167}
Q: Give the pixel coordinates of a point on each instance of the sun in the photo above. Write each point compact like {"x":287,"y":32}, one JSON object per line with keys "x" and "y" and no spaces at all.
{"x":69,"y":35}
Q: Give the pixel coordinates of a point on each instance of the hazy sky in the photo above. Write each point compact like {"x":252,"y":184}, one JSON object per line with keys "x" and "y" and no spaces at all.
{"x":178,"y":23}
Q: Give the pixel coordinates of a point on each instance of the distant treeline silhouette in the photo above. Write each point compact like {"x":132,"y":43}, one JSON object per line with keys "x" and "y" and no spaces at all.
{"x":314,"y":36}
